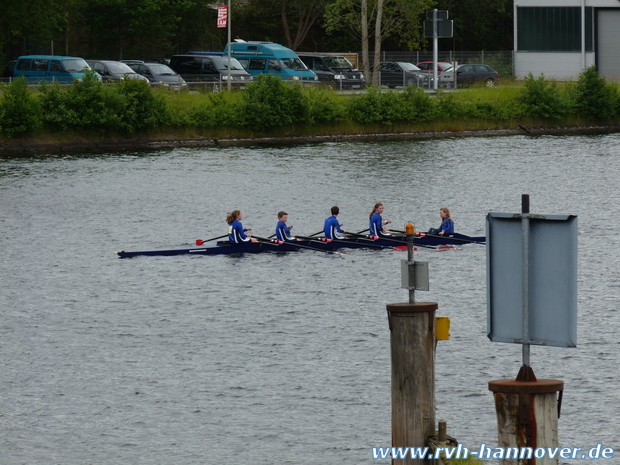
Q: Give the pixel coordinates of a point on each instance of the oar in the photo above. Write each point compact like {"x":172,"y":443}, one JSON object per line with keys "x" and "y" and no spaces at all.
{"x":345,"y":241}
{"x":291,"y":243}
{"x":316,"y":233}
{"x":200,"y":241}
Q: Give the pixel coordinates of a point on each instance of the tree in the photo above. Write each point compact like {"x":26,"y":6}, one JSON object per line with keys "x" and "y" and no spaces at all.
{"x":391,"y":18}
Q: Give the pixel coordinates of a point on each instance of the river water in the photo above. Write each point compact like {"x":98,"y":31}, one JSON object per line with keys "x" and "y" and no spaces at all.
{"x":267,"y":358}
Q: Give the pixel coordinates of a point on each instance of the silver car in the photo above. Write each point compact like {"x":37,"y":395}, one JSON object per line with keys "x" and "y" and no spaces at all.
{"x":114,"y":70}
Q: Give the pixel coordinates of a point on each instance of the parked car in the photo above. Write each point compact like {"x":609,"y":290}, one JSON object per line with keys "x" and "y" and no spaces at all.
{"x":114,"y":70}
{"x":470,"y":73}
{"x":333,"y":69}
{"x":49,"y":68}
{"x":400,"y":73}
{"x":157,"y":73}
{"x":270,"y":58}
{"x":8,"y":69}
{"x":427,"y":66}
{"x":208,"y":67}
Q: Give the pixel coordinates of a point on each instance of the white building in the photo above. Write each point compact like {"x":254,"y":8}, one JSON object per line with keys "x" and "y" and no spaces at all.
{"x":561,"y":38}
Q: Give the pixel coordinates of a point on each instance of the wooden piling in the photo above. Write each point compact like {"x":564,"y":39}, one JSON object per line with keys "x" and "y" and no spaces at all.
{"x":527,"y":416}
{"x":412,"y":341}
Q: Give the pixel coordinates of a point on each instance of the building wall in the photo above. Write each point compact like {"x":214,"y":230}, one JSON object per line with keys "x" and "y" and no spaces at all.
{"x":568,"y":65}
{"x":564,"y":66}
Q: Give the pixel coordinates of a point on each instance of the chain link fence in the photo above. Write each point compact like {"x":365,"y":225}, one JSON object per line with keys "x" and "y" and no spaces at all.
{"x":500,"y":61}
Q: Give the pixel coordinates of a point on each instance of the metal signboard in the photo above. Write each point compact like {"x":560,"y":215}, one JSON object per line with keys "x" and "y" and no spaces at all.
{"x":550,"y":266}
{"x":441,"y":14}
{"x":445,"y":29}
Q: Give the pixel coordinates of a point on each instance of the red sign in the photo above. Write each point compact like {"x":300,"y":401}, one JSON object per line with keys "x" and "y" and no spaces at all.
{"x":222,"y":16}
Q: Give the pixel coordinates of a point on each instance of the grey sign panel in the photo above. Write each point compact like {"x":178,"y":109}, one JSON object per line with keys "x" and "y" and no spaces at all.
{"x":441,"y":14}
{"x":552,"y":271}
{"x":444,"y":29}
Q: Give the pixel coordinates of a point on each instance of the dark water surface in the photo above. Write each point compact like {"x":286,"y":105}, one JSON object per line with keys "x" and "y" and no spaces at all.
{"x":265,"y":359}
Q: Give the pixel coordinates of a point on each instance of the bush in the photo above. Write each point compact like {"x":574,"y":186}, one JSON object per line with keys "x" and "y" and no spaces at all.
{"x":323,"y":106}
{"x":20,"y":111}
{"x":221,"y":110}
{"x":417,"y":105}
{"x":269,"y":102}
{"x":540,"y":99}
{"x":85,"y":104}
{"x":142,"y":109}
{"x":592,"y":98}
{"x":376,"y":106}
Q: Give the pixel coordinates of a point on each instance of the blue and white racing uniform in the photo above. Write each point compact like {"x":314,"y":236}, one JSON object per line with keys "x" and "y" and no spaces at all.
{"x":376,"y":226}
{"x":331,"y":228}
{"x":236,"y":233}
{"x":283,"y":232}
{"x":447,"y":226}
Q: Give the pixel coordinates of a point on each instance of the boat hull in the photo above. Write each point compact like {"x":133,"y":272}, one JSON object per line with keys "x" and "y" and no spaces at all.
{"x":226,"y":248}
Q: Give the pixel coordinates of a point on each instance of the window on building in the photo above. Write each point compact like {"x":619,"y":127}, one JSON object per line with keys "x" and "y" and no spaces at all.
{"x":552,"y":29}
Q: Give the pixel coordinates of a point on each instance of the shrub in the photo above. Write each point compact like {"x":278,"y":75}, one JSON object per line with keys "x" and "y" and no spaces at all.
{"x":269,"y":102}
{"x":20,"y":112}
{"x":323,"y":106}
{"x":376,"y":106}
{"x":85,"y":104}
{"x":540,"y":99}
{"x":220,"y":110}
{"x":417,"y":105}
{"x":593,"y":98}
{"x":142,"y":109}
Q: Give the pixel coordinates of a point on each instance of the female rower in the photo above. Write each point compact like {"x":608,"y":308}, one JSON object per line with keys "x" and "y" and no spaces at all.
{"x":447,"y":224}
{"x":236,"y":233}
{"x":283,"y":232}
{"x":376,"y":222}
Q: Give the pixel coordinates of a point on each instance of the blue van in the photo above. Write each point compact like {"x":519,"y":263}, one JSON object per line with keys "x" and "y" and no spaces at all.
{"x":268,"y":57}
{"x":48,"y":68}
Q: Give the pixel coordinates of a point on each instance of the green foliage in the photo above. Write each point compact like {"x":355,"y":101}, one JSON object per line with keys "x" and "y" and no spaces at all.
{"x":593,"y":98}
{"x":449,"y":108}
{"x":269,"y":102}
{"x":376,"y":106}
{"x":323,"y":106}
{"x":86,"y":104}
{"x":142,"y":109}
{"x":219,"y":111}
{"x":418,"y":106}
{"x":540,"y":99}
{"x":20,"y":111}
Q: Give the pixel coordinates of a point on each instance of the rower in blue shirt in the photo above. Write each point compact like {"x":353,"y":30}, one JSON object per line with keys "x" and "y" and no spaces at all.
{"x":283,"y":232}
{"x":331,"y":227}
{"x":376,"y":222}
{"x":447,"y":224}
{"x":236,"y":232}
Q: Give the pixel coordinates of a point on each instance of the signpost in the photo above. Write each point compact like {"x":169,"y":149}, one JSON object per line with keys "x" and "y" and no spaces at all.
{"x":437,"y":26}
{"x":531,"y":299}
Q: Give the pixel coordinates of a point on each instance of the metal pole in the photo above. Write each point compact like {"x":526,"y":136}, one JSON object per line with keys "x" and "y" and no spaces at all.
{"x":435,"y":47}
{"x":410,"y":231}
{"x":525,"y":294}
{"x":229,"y":45}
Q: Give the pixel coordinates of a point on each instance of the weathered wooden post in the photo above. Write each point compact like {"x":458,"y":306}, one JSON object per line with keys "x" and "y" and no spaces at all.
{"x":532,"y":299}
{"x":412,"y":342}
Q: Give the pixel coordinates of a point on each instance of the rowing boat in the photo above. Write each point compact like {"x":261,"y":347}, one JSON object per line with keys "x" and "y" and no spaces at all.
{"x":356,"y":242}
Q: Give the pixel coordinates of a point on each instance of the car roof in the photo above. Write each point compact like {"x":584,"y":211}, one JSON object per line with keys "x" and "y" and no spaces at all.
{"x":48,"y":57}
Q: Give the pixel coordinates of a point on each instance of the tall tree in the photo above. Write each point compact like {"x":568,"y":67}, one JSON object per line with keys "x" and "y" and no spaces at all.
{"x":304,"y":13}
{"x":391,"y":18}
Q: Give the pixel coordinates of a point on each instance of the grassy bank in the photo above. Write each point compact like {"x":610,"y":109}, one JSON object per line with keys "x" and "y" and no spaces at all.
{"x":132,"y":111}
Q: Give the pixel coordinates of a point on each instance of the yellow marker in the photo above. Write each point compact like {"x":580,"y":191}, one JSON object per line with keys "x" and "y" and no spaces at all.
{"x":409,"y":228}
{"x":442,"y":324}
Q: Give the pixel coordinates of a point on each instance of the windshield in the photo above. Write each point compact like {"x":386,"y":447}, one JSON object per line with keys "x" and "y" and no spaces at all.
{"x":338,"y":62}
{"x":408,"y":66}
{"x":222,"y":63}
{"x":293,"y":63}
{"x":119,"y":68}
{"x":161,"y":69}
{"x":75,"y":65}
